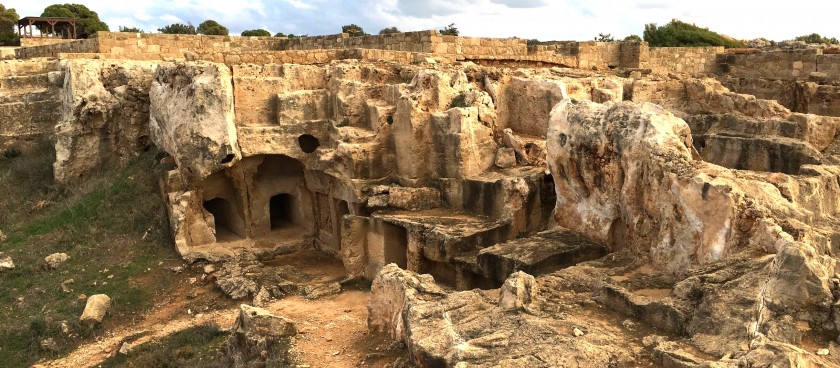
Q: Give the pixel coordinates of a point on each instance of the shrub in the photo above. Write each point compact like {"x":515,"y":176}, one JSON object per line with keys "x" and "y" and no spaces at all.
{"x":633,"y":38}
{"x":131,"y":30}
{"x":212,"y":28}
{"x":680,"y":34}
{"x":257,"y":33}
{"x":816,"y":38}
{"x":178,"y":28}
{"x":450,"y":30}
{"x":389,"y":30}
{"x":353,"y":30}
{"x":605,"y":37}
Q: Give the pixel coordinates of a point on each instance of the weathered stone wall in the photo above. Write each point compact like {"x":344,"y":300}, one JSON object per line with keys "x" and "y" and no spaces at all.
{"x":588,"y":55}
{"x":399,"y":47}
{"x":688,"y":60}
{"x":41,"y":41}
{"x":140,"y":43}
{"x":422,"y":42}
{"x":88,"y":45}
{"x":408,"y":41}
{"x":783,"y":65}
{"x":29,"y":100}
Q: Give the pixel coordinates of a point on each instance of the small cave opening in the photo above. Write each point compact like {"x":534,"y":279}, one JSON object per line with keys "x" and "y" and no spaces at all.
{"x":228,"y":158}
{"x":308,"y":143}
{"x":224,"y":217}
{"x":281,"y":209}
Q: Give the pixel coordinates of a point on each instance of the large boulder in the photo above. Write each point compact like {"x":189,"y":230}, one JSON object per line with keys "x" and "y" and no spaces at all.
{"x":95,"y":309}
{"x":192,"y":117}
{"x":258,"y":337}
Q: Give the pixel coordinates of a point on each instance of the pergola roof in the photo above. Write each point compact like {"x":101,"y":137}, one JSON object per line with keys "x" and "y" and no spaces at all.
{"x":47,"y":24}
{"x":43,"y":21}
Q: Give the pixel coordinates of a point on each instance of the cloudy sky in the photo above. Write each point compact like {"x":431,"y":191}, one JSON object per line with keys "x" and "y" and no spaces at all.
{"x":540,"y":19}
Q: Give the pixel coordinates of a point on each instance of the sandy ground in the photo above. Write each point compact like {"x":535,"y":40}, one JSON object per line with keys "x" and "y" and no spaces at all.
{"x":332,"y":331}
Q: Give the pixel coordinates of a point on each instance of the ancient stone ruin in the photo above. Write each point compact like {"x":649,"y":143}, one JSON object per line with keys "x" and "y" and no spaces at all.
{"x":569,"y":204}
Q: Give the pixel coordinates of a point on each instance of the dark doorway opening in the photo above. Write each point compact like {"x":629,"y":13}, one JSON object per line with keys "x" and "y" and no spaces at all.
{"x":281,"y":210}
{"x":396,"y":245}
{"x":224,"y":218}
{"x":308,"y":143}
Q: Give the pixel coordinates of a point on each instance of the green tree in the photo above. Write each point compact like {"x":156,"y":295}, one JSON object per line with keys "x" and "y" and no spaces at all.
{"x":8,"y":20}
{"x":679,"y":34}
{"x":605,"y":37}
{"x":131,"y":30}
{"x":816,"y":38}
{"x":280,"y":34}
{"x":212,"y":28}
{"x":389,"y":30}
{"x":87,"y":21}
{"x":634,"y":38}
{"x":450,"y":30}
{"x":256,"y":33}
{"x":353,"y":30}
{"x":178,"y":28}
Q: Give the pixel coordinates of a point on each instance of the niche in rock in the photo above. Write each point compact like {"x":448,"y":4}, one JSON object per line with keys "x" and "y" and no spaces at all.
{"x":225,"y":219}
{"x":396,"y":245}
{"x":282,"y":211}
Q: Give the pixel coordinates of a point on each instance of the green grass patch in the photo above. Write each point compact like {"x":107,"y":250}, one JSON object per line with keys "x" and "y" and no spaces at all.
{"x":194,"y":347}
{"x":114,"y":228}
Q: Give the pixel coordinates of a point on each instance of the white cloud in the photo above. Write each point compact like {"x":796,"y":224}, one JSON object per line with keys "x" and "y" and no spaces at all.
{"x":299,"y":4}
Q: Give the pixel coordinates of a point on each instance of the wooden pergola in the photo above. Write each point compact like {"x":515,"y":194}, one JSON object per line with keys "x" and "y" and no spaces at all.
{"x":47,"y":26}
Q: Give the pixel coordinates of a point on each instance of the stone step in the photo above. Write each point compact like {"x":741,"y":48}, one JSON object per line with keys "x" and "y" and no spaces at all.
{"x":26,"y":83}
{"x":543,"y":253}
{"x":758,"y":153}
{"x":29,"y":96}
{"x":27,"y":118}
{"x":28,"y":67}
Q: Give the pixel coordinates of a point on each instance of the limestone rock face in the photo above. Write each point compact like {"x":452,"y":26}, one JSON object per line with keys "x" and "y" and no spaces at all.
{"x":445,"y":329}
{"x":414,"y":198}
{"x":95,"y":309}
{"x":192,"y":117}
{"x":625,"y":176}
{"x":741,"y":131}
{"x":105,"y":115}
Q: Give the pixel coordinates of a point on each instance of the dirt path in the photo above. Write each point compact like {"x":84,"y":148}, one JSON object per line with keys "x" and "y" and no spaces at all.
{"x":332,"y":330}
{"x":94,"y":353}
